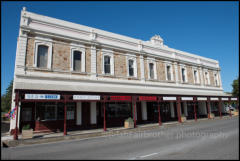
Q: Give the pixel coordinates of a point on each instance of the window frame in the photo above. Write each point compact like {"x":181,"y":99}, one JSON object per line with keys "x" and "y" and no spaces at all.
{"x":216,"y":78}
{"x":109,"y":53}
{"x":80,"y":48}
{"x":208,"y":77}
{"x":46,"y":42}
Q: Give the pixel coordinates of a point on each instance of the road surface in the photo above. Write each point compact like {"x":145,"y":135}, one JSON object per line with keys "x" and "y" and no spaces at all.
{"x":210,"y":139}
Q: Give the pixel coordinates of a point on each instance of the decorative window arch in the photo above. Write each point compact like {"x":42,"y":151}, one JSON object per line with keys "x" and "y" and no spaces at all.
{"x":42,"y":46}
{"x":78,"y":49}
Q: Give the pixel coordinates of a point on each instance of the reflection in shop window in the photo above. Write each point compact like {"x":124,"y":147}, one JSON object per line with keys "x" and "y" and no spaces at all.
{"x":118,"y":110}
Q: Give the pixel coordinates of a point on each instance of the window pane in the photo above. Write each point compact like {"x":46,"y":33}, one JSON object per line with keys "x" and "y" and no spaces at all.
{"x":183,"y":75}
{"x":42,"y":56}
{"x":195,"y":75}
{"x":168,"y":73}
{"x":130,"y":67}
{"x":60,"y":111}
{"x":151,"y":70}
{"x":107,"y":64}
{"x":77,"y":61}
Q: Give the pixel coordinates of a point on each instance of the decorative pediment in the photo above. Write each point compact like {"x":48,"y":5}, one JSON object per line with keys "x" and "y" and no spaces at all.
{"x":157,"y":40}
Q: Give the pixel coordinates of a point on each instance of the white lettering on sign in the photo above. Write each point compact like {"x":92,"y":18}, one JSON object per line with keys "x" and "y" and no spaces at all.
{"x":213,"y":98}
{"x":86,"y":97}
{"x":234,"y":99}
{"x":187,"y":98}
{"x":169,"y":98}
{"x":225,"y":99}
{"x":43,"y":96}
{"x":202,"y":98}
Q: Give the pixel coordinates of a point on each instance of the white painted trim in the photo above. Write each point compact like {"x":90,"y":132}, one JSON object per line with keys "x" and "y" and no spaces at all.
{"x":214,"y":98}
{"x":170,"y":98}
{"x":202,"y":98}
{"x":187,"y":98}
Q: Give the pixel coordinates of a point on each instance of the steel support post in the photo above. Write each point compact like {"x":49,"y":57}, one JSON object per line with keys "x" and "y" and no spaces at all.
{"x":65,"y":116}
{"x":208,"y":107}
{"x":194,"y":106}
{"x":178,"y":110}
{"x":104,"y":115}
{"x":219,"y":107}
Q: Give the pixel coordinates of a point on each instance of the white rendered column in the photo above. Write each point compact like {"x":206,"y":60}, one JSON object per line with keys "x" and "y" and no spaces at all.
{"x":144,"y":110}
{"x":79,"y":113}
{"x":142,"y":67}
{"x":172,"y":110}
{"x":93,"y":111}
{"x":93,"y":61}
{"x":176,"y":72}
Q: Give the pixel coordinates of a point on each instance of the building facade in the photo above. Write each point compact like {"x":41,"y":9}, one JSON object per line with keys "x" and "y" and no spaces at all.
{"x":69,"y":76}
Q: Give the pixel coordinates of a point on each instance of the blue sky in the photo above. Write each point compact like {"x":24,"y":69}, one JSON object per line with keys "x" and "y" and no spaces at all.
{"x":208,"y":29}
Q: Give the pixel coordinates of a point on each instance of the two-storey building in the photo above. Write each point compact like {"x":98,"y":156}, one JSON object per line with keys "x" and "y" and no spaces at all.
{"x":69,"y":76}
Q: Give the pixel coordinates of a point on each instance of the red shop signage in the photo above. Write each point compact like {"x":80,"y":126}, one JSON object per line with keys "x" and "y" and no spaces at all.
{"x":120,"y":98}
{"x":147,"y":98}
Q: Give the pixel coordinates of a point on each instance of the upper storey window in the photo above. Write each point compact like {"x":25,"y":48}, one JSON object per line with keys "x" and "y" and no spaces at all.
{"x":131,"y":66}
{"x":183,"y":72}
{"x":207,"y":80}
{"x":195,"y":76}
{"x":151,"y":70}
{"x":77,"y":61}
{"x":43,"y":53}
{"x":216,"y":79}
{"x":169,"y":71}
{"x":107,"y":62}
{"x":42,"y":56}
{"x":107,"y":65}
{"x":77,"y":57}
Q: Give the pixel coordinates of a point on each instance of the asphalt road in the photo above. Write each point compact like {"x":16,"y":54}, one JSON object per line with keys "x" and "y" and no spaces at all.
{"x":211,"y":139}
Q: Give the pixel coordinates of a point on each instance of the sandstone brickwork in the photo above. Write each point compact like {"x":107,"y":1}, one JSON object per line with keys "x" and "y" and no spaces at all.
{"x":30,"y":52}
{"x":160,"y":70}
{"x":120,"y":64}
{"x":190,"y":75}
{"x":138,"y":67}
{"x":145,"y":68}
{"x":88,"y":58}
{"x":99,"y":61}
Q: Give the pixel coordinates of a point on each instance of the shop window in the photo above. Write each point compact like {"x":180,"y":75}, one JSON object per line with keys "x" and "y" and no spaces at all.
{"x":42,"y":56}
{"x":77,"y":61}
{"x":27,"y":114}
{"x":122,"y":110}
{"x":60,"y":111}
{"x":50,"y":112}
{"x":70,"y":111}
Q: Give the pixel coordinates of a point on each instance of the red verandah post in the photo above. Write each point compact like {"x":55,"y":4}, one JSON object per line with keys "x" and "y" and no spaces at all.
{"x":194,"y":105}
{"x":104,"y":111}
{"x":159,"y":116}
{"x":208,"y":107}
{"x":16,"y":127}
{"x":134,"y":111}
{"x":65,"y":116}
{"x":178,"y":110}
{"x":219,"y":107}
{"x":229,"y":102}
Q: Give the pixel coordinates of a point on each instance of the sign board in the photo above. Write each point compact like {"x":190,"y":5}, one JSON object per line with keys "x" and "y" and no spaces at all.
{"x":202,"y":98}
{"x":170,"y":98}
{"x":225,"y":99}
{"x":86,"y":97}
{"x":43,"y":96}
{"x":147,"y":98}
{"x":187,"y":98}
{"x":120,"y":98}
{"x":213,"y":98}
{"x":234,"y":99}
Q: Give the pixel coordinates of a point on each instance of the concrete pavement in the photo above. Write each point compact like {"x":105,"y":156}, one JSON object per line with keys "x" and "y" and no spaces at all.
{"x":209,"y":139}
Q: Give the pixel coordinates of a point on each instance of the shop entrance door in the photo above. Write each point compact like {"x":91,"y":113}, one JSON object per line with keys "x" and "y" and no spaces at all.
{"x":86,"y":115}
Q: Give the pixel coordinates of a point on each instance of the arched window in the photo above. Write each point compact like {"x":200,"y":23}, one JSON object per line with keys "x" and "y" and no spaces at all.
{"x":77,"y":61}
{"x":42,"y":56}
{"x":151,"y":70}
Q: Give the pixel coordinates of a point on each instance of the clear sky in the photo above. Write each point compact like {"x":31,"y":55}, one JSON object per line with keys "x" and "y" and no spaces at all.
{"x":209,"y":29}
